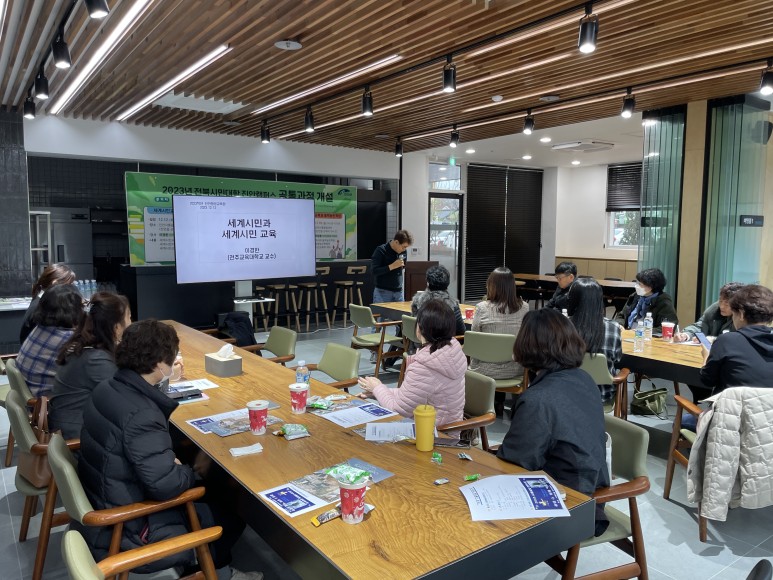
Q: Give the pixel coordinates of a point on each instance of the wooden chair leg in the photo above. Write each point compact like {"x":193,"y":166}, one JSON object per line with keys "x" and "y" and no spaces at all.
{"x":335,"y":304}
{"x":308,"y":307}
{"x":676,"y":388}
{"x":295,"y":311}
{"x":45,"y":531}
{"x":484,"y":439}
{"x":202,"y":552}
{"x":570,"y":565}
{"x":703,"y":526}
{"x":638,"y":538}
{"x":9,"y":449}
{"x":671,"y":462}
{"x":348,"y":299}
{"x":115,"y":539}
{"x":30,"y":502}
{"x":327,"y":311}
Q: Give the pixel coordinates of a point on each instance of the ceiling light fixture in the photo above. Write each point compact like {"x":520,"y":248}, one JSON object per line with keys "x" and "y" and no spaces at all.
{"x":629,"y":104}
{"x":98,"y":9}
{"x":528,"y":123}
{"x":470,"y":151}
{"x":132,"y":15}
{"x":766,"y":83}
{"x":288,"y":45}
{"x":526,"y":157}
{"x":576,"y":162}
{"x":187,"y":73}
{"x":545,"y":139}
{"x":29,"y":108}
{"x":589,"y":30}
{"x":454,"y":138}
{"x":308,"y":121}
{"x":265,"y":132}
{"x":399,"y":148}
{"x":336,"y":81}
{"x":367,"y":103}
{"x":449,"y":75}
{"x":41,"y":85}
{"x":61,"y":51}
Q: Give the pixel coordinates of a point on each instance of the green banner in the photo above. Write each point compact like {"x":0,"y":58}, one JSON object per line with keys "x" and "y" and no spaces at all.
{"x":151,"y":224}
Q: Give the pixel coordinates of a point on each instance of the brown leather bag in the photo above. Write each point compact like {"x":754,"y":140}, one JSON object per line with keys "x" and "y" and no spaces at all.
{"x":35,"y":468}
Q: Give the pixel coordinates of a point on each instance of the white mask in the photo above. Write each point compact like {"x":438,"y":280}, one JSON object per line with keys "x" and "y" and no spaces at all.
{"x":164,"y":382}
{"x":641,"y":291}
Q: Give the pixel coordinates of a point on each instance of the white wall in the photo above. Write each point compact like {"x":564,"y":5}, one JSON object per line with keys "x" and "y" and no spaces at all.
{"x":54,"y":136}
{"x":547,"y":255}
{"x":581,"y":216}
{"x":415,"y":208}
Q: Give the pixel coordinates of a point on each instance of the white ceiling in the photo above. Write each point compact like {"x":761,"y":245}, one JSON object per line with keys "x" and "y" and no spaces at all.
{"x":626,"y":134}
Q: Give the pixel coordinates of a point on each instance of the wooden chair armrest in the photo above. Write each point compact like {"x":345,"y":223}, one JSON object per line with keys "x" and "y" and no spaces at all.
{"x":281,"y":359}
{"x":310,"y":366}
{"x":125,"y":561}
{"x":210,"y":331}
{"x":9,"y":356}
{"x":459,"y":338}
{"x":471,"y":423}
{"x":343,"y":384}
{"x":688,"y":406}
{"x":376,"y":315}
{"x":229,"y":340}
{"x":625,"y":490}
{"x":621,"y":376}
{"x":388,"y":323}
{"x":124,"y":513}
{"x":42,"y":448}
{"x":252,"y":347}
{"x":494,"y":448}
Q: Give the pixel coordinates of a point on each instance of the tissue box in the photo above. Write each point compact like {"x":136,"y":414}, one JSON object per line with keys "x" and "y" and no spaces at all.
{"x":223,"y":367}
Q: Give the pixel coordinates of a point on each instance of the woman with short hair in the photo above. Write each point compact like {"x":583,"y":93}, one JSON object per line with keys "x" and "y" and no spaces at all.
{"x":438,"y":279}
{"x":51,"y":276}
{"x":649,"y":297}
{"x":557,"y":424}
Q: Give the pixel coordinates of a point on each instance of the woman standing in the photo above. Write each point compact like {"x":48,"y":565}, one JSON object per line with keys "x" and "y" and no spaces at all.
{"x":54,"y":274}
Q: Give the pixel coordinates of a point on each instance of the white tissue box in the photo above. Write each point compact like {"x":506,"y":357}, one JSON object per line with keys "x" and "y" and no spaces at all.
{"x":216,"y":365}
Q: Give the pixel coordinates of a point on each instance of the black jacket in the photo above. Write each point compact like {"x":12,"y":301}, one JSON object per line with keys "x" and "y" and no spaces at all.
{"x":560,"y":298}
{"x":126,"y":456}
{"x":558,"y":427}
{"x":385,"y":278}
{"x":662,"y":308}
{"x":26,"y":324}
{"x":743,"y":358}
{"x":711,"y":323}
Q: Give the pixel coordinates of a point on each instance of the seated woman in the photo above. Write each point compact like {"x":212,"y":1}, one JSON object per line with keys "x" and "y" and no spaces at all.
{"x":52,"y":275}
{"x":601,"y":335}
{"x":558,"y":424}
{"x":59,"y":312}
{"x":716,"y":319}
{"x":434,"y":375}
{"x":126,"y":452}
{"x":438,"y":278}
{"x":649,"y":297}
{"x":87,"y":359}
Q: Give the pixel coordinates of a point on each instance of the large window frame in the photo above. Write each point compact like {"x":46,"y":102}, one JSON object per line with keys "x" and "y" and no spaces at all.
{"x":623,"y":205}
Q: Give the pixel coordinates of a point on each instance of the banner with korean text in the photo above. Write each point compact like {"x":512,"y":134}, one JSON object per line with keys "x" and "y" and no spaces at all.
{"x":151,"y":223}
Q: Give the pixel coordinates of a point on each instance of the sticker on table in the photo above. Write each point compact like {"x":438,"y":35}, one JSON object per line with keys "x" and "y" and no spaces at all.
{"x":376,"y":411}
{"x":291,"y":500}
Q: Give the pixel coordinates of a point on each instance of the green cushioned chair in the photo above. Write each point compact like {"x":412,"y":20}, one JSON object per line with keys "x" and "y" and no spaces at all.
{"x":596,"y":367}
{"x":409,"y":336}
{"x":478,"y":406}
{"x":281,"y":342}
{"x":16,"y":383}
{"x":363,"y":318}
{"x":493,"y":348}
{"x":339,"y":362}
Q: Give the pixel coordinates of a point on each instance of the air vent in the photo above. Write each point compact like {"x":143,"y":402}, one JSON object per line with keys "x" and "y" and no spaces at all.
{"x":584,"y":146}
{"x":201,"y":104}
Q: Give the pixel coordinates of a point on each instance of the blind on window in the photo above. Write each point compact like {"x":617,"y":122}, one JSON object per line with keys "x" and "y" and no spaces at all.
{"x":624,"y":187}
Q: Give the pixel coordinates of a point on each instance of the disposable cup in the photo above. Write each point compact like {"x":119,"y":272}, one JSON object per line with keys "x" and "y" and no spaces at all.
{"x":258,"y":412}
{"x":668,"y":331}
{"x":469,"y":313}
{"x":299,"y":393}
{"x":352,"y":501}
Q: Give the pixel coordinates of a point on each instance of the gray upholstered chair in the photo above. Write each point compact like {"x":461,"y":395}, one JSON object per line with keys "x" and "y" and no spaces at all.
{"x":596,"y":367}
{"x":362,"y":317}
{"x":478,"y":406}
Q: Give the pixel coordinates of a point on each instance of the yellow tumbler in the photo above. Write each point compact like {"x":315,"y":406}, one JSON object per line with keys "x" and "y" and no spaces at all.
{"x":424,"y":417}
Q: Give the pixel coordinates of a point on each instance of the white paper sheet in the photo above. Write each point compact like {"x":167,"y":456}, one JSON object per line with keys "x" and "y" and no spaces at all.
{"x":392,"y":431}
{"x":510,"y":497}
{"x":358,"y":415}
{"x":200,"y":384}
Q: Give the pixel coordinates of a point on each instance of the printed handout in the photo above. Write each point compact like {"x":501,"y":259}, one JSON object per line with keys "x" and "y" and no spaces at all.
{"x":230,"y":423}
{"x":509,"y":497}
{"x":354,"y":416}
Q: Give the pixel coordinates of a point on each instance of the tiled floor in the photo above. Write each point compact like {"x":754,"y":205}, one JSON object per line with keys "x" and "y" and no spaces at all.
{"x":670,"y":526}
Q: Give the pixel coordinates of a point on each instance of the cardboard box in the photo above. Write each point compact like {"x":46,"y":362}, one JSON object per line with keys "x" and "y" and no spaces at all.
{"x":223,"y":367}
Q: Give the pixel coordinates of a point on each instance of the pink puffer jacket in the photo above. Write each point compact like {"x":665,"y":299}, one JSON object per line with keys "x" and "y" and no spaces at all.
{"x":436,"y":379}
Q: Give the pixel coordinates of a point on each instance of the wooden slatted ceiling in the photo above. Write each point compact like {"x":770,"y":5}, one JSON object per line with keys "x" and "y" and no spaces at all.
{"x":640,"y":43}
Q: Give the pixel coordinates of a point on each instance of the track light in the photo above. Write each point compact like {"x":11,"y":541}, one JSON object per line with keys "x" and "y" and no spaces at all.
{"x":399,"y":148}
{"x":41,"y":85}
{"x":265,"y":132}
{"x":629,"y":104}
{"x":766,"y":84}
{"x":61,"y":52}
{"x":29,"y":108}
{"x":308,"y":121}
{"x":589,"y":30}
{"x":528,"y":123}
{"x":449,"y":76}
{"x":97,"y":9}
{"x":454,"y":138}
{"x":367,"y":103}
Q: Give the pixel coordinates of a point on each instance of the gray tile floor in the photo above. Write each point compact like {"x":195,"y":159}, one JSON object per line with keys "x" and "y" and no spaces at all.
{"x":670,"y":526}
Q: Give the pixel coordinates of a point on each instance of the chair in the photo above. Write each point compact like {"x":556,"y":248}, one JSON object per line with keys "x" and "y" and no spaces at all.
{"x":4,"y":390}
{"x":28,"y":443}
{"x":478,"y":406}
{"x":16,"y":382}
{"x":81,"y":565}
{"x":596,"y":367}
{"x":763,"y":570}
{"x":409,"y":336}
{"x":340,"y":363}
{"x":493,"y":348}
{"x":629,"y":461}
{"x":682,"y":439}
{"x":362,"y":317}
{"x":281,"y":341}
{"x":79,"y":508}
{"x":355,"y":273}
{"x":314,"y":289}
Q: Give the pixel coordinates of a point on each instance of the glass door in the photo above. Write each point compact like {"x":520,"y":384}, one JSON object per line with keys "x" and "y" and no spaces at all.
{"x":445,"y":236}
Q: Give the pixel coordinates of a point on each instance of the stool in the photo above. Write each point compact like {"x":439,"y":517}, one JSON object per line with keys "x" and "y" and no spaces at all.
{"x":316,"y":288}
{"x":259,"y":290}
{"x":355,"y":281}
{"x":286,"y":291}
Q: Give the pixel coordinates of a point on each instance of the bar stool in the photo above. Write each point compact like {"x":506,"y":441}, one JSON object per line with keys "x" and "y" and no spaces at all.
{"x":259,"y":290}
{"x":314,"y":288}
{"x":286,"y":291}
{"x":355,"y":281}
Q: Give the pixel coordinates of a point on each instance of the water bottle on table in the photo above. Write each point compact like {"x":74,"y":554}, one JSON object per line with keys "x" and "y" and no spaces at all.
{"x":302,"y":374}
{"x":648,"y":324}
{"x":638,"y":337}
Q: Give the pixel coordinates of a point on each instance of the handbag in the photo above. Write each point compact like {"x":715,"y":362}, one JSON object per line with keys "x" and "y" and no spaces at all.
{"x":652,"y":402}
{"x":35,"y":468}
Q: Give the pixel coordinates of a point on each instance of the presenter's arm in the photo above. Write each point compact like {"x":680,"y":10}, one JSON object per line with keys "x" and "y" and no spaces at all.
{"x":378,"y":262}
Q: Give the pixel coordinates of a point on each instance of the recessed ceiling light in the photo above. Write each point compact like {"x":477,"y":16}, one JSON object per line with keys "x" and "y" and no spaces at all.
{"x":382,"y":136}
{"x":550,"y":98}
{"x":526,"y":157}
{"x":576,"y":162}
{"x":443,"y":178}
{"x":288,"y":45}
{"x":653,"y":154}
{"x":442,"y":168}
{"x":545,"y":140}
{"x":231,"y":123}
{"x":470,"y":151}
{"x":497,"y":98}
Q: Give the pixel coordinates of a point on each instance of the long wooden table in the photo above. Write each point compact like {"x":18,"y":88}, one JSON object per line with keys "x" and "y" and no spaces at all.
{"x":417,"y":530}
{"x":395,"y":310}
{"x":671,"y":361}
{"x":605,"y":284}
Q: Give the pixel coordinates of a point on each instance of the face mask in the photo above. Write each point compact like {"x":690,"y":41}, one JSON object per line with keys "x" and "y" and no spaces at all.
{"x":165,"y":378}
{"x":641,"y":291}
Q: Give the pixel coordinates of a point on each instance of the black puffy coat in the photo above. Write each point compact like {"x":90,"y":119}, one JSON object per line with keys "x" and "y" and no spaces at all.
{"x":126,"y":456}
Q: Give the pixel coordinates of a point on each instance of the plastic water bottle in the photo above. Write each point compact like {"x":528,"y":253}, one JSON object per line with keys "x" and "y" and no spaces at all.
{"x":565,"y":312}
{"x":638,"y":337}
{"x":79,"y":287}
{"x":92,"y":288}
{"x":302,"y":374}
{"x":648,"y":324}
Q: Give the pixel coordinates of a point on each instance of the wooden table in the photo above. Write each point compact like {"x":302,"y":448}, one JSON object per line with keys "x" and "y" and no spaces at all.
{"x":671,"y":361}
{"x":395,"y":310}
{"x":418,"y":529}
{"x":607,"y":285}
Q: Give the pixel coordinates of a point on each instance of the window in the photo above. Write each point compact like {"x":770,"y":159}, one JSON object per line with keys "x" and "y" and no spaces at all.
{"x":623,"y":204}
{"x":444,"y":176}
{"x":622,"y":229}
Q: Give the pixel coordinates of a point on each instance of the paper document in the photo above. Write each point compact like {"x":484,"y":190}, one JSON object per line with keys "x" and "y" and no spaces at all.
{"x":229,"y":423}
{"x":358,"y":415}
{"x":510,"y":497}
{"x":200,"y":384}
{"x":394,"y":431}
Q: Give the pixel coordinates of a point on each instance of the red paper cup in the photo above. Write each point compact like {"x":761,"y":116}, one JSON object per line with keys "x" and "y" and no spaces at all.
{"x":469,"y":313}
{"x":258,"y":411}
{"x":352,"y":501}
{"x":299,"y":393}
{"x":668,"y":331}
